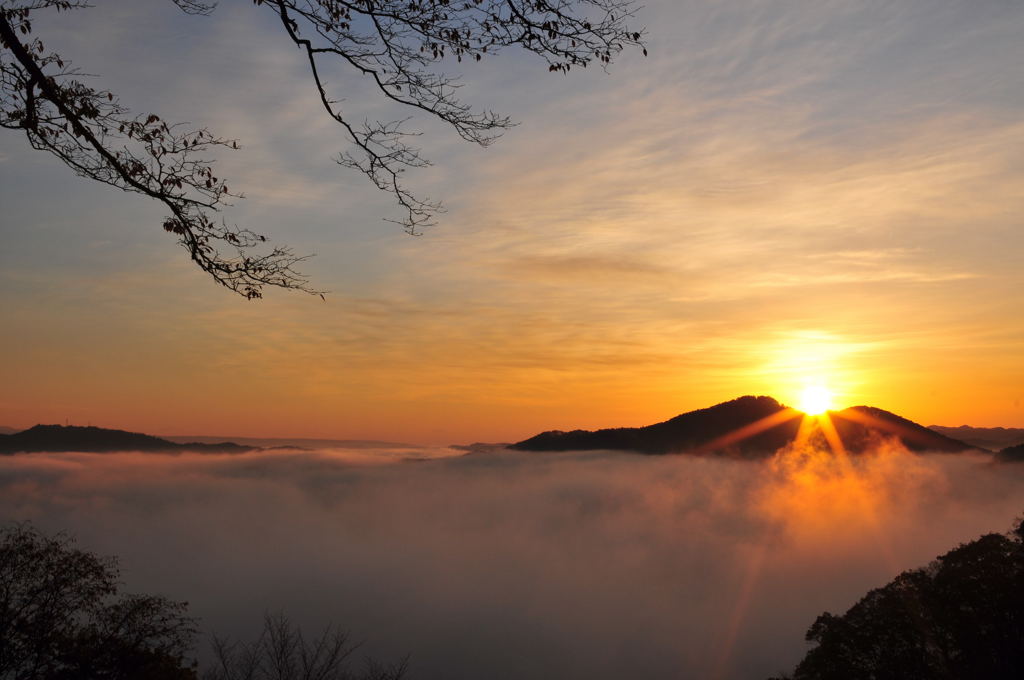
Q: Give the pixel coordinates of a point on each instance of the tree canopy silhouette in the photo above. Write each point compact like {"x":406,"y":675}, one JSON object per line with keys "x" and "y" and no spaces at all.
{"x":959,"y":617}
{"x":399,"y":44}
{"x":62,"y":617}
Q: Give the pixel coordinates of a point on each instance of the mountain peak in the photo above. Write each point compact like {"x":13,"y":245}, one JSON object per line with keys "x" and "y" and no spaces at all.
{"x":693,"y":431}
{"x":747,"y":427}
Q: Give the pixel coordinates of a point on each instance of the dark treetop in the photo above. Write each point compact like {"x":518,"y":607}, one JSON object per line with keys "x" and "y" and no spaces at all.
{"x":958,"y":618}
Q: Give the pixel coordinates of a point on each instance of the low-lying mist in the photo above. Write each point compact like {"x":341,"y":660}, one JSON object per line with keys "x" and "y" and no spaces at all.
{"x":519,"y":565}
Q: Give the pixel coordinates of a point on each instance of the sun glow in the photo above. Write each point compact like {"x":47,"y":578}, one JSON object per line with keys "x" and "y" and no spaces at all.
{"x":815,"y":400}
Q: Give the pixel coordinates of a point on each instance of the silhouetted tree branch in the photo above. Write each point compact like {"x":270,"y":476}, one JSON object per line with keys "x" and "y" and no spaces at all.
{"x":396,"y":43}
{"x":281,"y":652}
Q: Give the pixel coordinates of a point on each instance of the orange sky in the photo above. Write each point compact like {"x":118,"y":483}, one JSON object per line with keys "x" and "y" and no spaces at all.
{"x":827,"y":195}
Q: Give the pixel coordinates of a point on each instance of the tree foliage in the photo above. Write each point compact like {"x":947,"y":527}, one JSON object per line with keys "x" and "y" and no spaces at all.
{"x":62,"y":617}
{"x":398,"y":44}
{"x":962,"y":616}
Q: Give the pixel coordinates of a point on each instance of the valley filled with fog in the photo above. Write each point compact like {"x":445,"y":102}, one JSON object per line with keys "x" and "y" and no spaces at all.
{"x":501,"y":564}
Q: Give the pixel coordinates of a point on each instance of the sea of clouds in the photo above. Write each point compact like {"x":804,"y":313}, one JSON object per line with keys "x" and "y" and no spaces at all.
{"x":501,"y":564}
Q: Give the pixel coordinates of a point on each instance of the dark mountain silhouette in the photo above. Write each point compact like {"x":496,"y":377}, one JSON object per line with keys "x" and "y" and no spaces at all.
{"x":748,"y":427}
{"x":480,"y":447}
{"x":991,"y":438}
{"x":861,"y":427}
{"x":7,"y":430}
{"x":56,"y":438}
{"x":705,"y":430}
{"x":1011,"y":454}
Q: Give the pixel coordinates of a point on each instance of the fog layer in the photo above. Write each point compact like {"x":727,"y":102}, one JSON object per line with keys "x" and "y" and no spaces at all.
{"x":515,"y":565}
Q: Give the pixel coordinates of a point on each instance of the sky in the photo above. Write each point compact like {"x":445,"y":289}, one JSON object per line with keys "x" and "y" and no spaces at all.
{"x":782,"y":193}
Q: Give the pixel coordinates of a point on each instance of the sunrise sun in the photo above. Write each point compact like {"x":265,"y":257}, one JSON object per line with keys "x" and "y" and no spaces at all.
{"x":815,"y":400}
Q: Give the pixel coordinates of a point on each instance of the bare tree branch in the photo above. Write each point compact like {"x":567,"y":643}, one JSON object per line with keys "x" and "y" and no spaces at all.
{"x":281,"y":652}
{"x":398,"y":44}
{"x":195,"y":6}
{"x":95,"y":136}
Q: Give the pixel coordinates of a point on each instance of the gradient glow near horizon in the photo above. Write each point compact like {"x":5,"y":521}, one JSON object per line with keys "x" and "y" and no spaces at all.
{"x":784,"y":194}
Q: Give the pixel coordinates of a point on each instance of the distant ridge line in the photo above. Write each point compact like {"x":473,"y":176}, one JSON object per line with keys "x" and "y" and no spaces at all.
{"x":993,"y":438}
{"x":91,"y":439}
{"x":294,"y":442}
